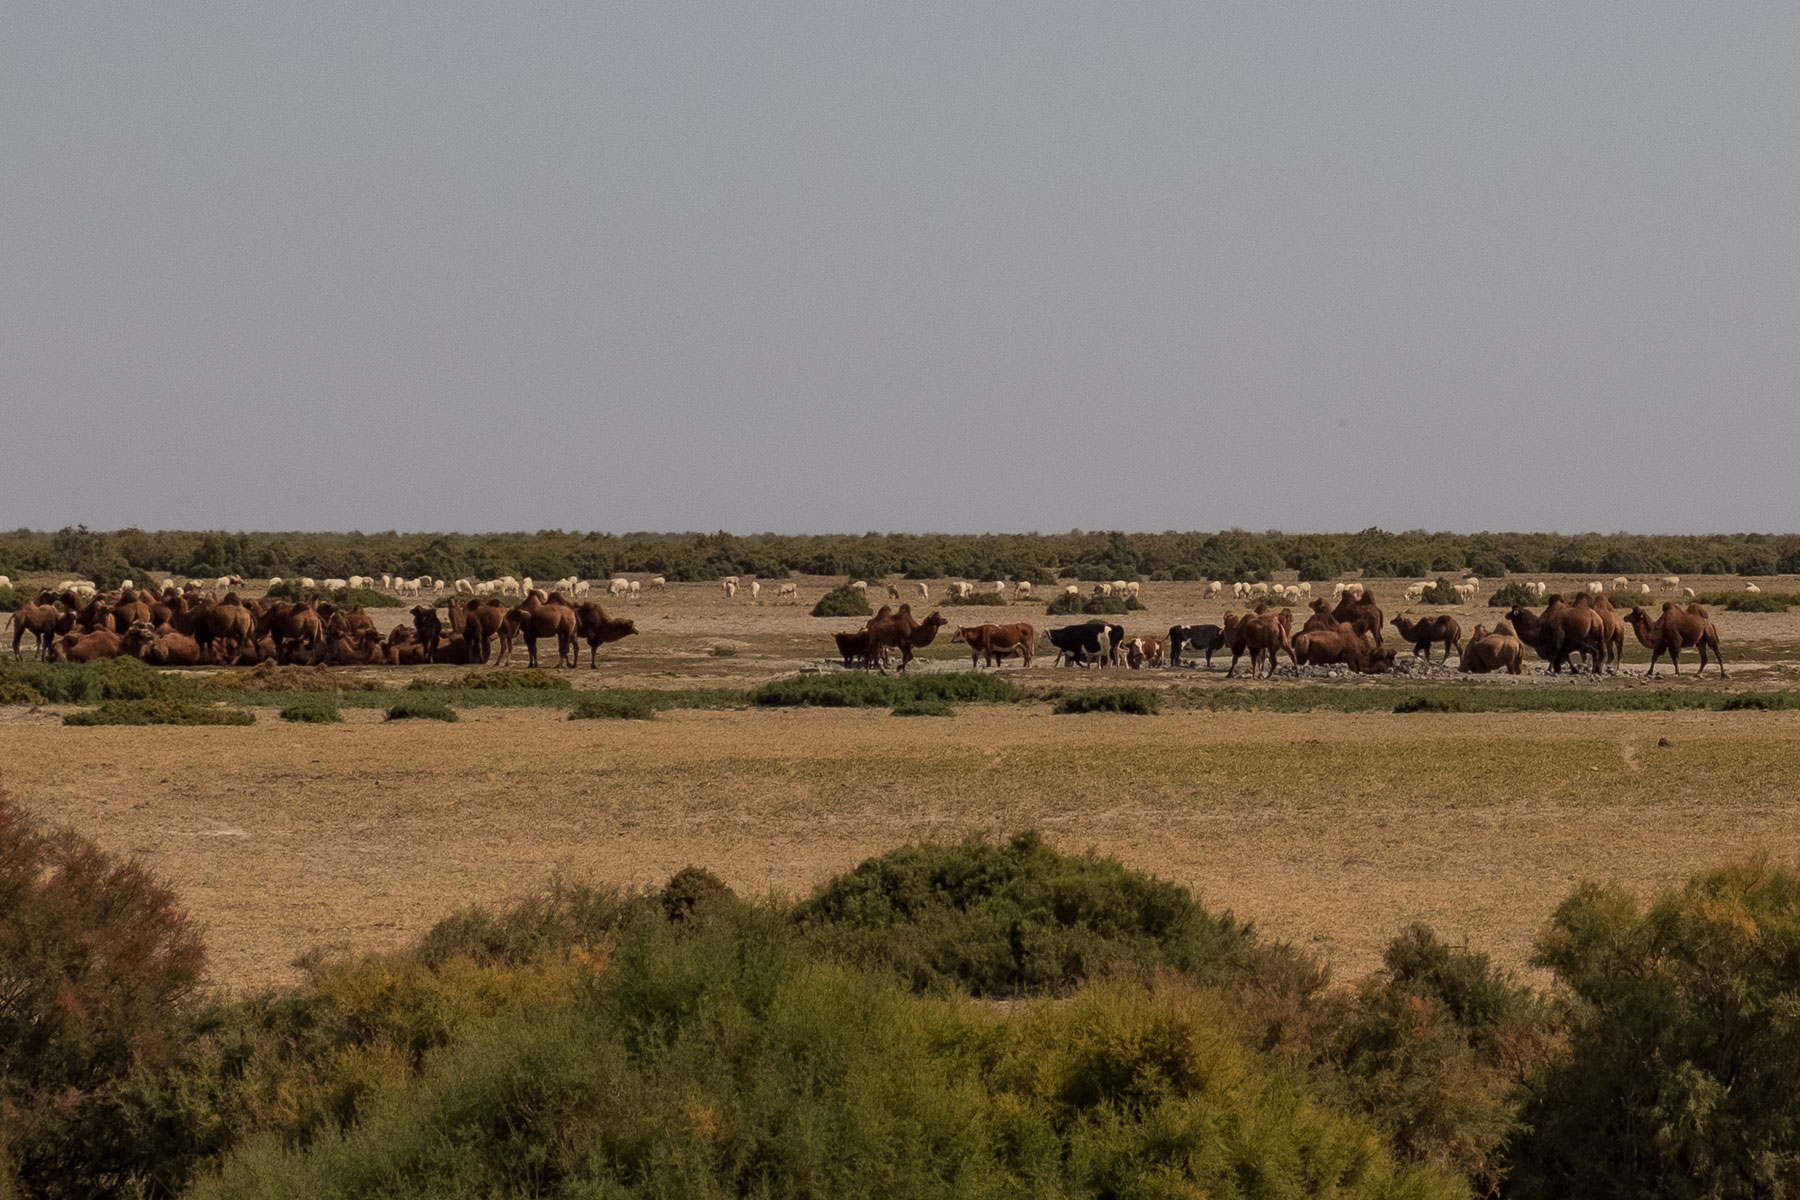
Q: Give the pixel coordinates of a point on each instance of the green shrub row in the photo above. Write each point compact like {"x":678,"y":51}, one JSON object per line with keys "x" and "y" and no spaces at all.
{"x":861,"y":689}
{"x":158,"y":712}
{"x":1137,"y":701}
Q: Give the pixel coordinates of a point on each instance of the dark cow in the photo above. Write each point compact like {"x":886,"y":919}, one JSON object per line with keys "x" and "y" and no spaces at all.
{"x":1084,"y":643}
{"x":1204,"y":638}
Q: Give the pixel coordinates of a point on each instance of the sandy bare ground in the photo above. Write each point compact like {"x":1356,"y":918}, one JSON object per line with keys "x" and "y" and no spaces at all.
{"x":1332,"y":830}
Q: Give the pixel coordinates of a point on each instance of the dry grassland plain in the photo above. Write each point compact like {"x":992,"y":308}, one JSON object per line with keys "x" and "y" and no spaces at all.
{"x":1333,"y":830}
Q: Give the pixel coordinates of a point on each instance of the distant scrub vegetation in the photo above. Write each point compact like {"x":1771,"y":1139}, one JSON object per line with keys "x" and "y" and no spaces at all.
{"x":1042,"y":559}
{"x":686,"y":1041}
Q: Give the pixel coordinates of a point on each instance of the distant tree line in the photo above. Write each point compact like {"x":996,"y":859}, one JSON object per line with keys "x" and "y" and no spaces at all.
{"x":1041,"y":558}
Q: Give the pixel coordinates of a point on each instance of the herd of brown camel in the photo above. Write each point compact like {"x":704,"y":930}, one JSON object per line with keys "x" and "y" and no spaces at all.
{"x":180,"y":628}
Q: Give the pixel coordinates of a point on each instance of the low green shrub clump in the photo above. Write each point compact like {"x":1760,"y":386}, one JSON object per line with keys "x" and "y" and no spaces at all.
{"x":1016,"y":918}
{"x":1075,"y":604}
{"x":17,"y":691}
{"x":605,"y":706}
{"x":1431,"y":704}
{"x":158,"y":712}
{"x":859,"y":689}
{"x":321,"y":710}
{"x":979,"y":599}
{"x":12,"y":599}
{"x":842,"y":601}
{"x":923,"y":708}
{"x":1513,"y":595}
{"x":1138,"y":701}
{"x":497,"y":680}
{"x":722,"y":650}
{"x":1442,"y":591}
{"x":410,"y":707}
{"x":90,"y":683}
{"x":1766,"y":602}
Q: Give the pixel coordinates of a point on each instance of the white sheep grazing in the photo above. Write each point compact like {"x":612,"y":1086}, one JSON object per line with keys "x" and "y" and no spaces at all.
{"x":1465,"y":592}
{"x":1132,"y":587}
{"x":860,"y":587}
{"x":1540,"y":589}
{"x":893,"y":592}
{"x":618,"y":587}
{"x":465,"y":586}
{"x":1024,"y":587}
{"x":306,"y":581}
{"x":387,"y":581}
{"x":1688,"y":592}
{"x":1643,"y":589}
{"x":755,"y":588}
{"x":1620,"y":583}
{"x":960,"y":590}
{"x":1338,"y":590}
{"x":274,"y":582}
{"x":788,"y":591}
{"x":999,"y":587}
{"x":527,"y":585}
{"x":1238,"y":589}
{"x":508,"y":585}
{"x":1473,"y":582}
{"x":1595,"y":588}
{"x":1213,"y":588}
{"x":332,"y":585}
{"x":924,"y":592}
{"x":1751,"y":587}
{"x":1259,"y":589}
{"x":658,"y":584}
{"x":1071,"y":590}
{"x":636,"y":589}
{"x":1670,"y":582}
{"x":1291,"y":592}
{"x":1118,"y":586}
{"x":582,"y":587}
{"x":730,"y":588}
{"x":1306,"y":589}
{"x":1415,"y":593}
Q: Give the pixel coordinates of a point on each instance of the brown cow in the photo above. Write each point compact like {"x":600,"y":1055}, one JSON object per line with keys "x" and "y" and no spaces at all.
{"x":1675,"y":631}
{"x":996,"y":642}
{"x":1425,"y":631}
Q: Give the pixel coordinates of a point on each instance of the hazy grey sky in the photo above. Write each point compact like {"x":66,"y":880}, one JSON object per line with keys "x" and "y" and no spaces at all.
{"x":839,"y":267}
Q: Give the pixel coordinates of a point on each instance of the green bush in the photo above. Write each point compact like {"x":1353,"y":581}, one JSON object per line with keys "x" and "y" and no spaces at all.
{"x":722,"y":1061}
{"x":1512,"y":595}
{"x":499,"y":680}
{"x":411,"y":707}
{"x":1138,"y":701}
{"x":320,"y":710}
{"x":842,"y":601}
{"x":1438,"y":1048}
{"x":1018,"y":918}
{"x":979,"y":599}
{"x":923,"y":708}
{"x":602,"y":706}
{"x":1684,"y":1046}
{"x":1442,"y":591}
{"x":158,"y":712}
{"x":99,"y":977}
{"x":1075,"y":604}
{"x":1765,"y":602}
{"x":1431,"y":704}
{"x":90,"y":683}
{"x":12,"y":599}
{"x":858,"y":689}
{"x":17,"y":691}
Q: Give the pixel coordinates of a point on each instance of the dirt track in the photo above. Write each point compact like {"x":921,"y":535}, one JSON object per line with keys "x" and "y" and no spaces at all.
{"x":1333,"y":830}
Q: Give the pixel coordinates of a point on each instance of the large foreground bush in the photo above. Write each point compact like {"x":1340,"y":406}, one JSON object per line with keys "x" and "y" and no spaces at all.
{"x":98,"y":970}
{"x":726,"y":1062}
{"x":1683,"y":1078}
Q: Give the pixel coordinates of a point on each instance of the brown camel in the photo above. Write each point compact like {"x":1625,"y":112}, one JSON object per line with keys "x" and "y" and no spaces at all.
{"x":1500,"y":650}
{"x":1425,"y":631}
{"x":1612,"y":628}
{"x":1675,"y":631}
{"x":1361,"y":612}
{"x":1560,"y":631}
{"x":533,"y":619}
{"x":597,"y":629}
{"x":1261,"y":633}
{"x":45,"y":621}
{"x":899,"y":630}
